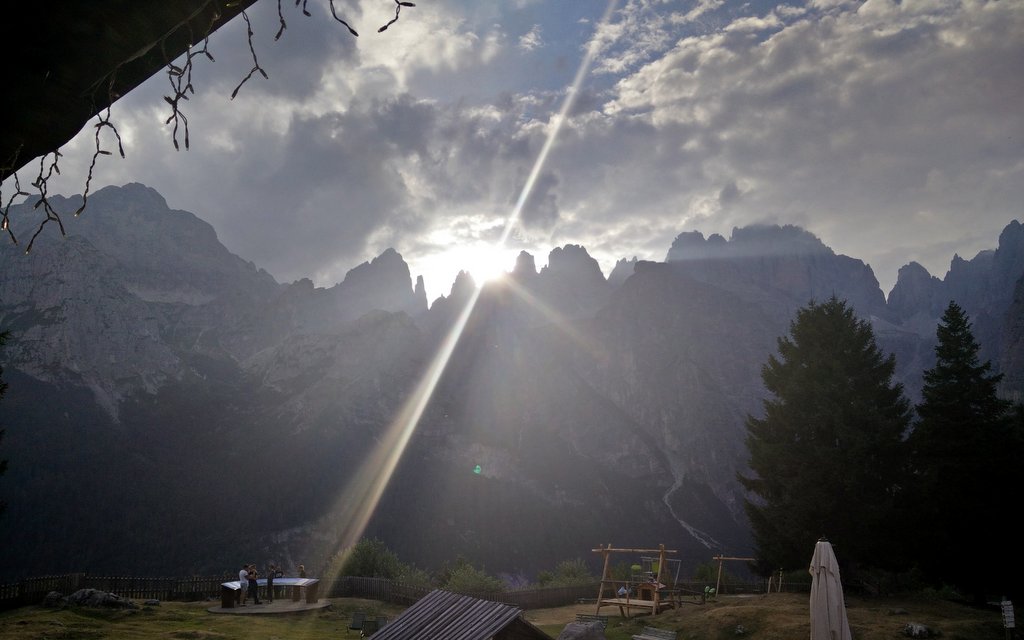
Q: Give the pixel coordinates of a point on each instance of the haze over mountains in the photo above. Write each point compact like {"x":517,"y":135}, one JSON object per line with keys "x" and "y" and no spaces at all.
{"x":173,"y":409}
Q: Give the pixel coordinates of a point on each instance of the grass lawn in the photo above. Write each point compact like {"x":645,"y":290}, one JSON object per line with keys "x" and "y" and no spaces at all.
{"x":774,"y":617}
{"x":786,"y":616}
{"x":185,"y":620}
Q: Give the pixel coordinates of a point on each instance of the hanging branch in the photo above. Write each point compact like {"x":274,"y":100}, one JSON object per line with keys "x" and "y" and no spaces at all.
{"x":280,"y":18}
{"x":180,"y":78}
{"x":398,"y":8}
{"x":335,"y":14}
{"x":256,"y":63}
{"x":104,"y":122}
{"x":5,"y":222}
{"x":41,"y":183}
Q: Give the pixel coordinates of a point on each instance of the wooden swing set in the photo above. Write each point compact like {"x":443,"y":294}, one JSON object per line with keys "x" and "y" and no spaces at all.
{"x":646,"y":589}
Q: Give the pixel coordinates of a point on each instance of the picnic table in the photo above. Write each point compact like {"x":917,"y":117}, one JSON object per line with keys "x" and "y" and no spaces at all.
{"x":229,"y":591}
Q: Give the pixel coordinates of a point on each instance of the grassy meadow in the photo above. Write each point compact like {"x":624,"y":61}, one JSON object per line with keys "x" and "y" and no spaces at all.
{"x":780,"y":616}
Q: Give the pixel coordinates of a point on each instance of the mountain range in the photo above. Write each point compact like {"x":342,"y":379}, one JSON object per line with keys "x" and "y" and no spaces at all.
{"x":173,"y":409}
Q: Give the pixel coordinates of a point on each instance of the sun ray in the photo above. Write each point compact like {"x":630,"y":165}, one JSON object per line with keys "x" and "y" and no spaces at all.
{"x":563,"y":114}
{"x":356,"y":504}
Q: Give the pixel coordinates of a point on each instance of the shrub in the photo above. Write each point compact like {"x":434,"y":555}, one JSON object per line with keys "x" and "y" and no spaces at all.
{"x":467,"y":579}
{"x":370,"y":558}
{"x":570,"y":573}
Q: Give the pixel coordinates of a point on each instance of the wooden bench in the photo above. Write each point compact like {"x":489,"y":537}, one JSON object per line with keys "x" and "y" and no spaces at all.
{"x":586,"y":617}
{"x":650,"y":633}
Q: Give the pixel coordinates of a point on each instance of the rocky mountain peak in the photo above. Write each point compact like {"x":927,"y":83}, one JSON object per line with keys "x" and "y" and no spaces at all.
{"x":526,"y":266}
{"x":752,"y":241}
{"x":572,"y":281}
{"x":785,"y":266}
{"x":621,"y":271}
{"x":384,"y":283}
{"x":572,"y":261}
{"x":420,"y":292}
{"x":463,"y":286}
{"x":917,"y":292}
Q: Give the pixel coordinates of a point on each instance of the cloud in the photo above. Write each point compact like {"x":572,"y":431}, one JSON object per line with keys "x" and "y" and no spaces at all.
{"x":873,"y":125}
{"x":540,"y":210}
{"x":432,"y":39}
{"x":531,"y":39}
{"x":857,"y":118}
{"x":642,"y":30}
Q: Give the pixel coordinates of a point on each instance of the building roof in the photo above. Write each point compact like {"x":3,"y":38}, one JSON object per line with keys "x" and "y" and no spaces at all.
{"x":76,"y":58}
{"x":443,"y":615}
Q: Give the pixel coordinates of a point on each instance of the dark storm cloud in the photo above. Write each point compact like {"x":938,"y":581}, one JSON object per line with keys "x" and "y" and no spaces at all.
{"x":729,"y":194}
{"x":541,"y":206}
{"x":295,"y":63}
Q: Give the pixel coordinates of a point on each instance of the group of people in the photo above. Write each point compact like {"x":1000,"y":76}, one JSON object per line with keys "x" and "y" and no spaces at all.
{"x":247,"y":579}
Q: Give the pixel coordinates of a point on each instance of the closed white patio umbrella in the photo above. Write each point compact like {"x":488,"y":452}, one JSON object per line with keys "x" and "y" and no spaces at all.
{"x":828,"y":608}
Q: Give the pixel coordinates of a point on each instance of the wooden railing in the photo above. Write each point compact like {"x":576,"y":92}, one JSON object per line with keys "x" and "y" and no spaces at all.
{"x":31,"y":591}
{"x":398,"y":593}
{"x":34,"y":590}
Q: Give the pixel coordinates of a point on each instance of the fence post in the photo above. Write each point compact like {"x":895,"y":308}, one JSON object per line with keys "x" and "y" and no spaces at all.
{"x":1008,"y":621}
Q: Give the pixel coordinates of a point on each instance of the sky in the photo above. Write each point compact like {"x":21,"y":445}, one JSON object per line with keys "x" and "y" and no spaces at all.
{"x":893,"y":131}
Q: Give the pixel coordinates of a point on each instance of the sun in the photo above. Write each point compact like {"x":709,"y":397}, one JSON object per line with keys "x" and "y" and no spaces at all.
{"x":484,"y":262}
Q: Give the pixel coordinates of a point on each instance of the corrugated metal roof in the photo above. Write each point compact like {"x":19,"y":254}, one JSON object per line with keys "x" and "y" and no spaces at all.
{"x":443,"y":615}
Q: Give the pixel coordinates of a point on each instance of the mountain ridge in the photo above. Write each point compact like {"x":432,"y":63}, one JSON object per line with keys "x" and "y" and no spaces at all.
{"x":609,"y":408}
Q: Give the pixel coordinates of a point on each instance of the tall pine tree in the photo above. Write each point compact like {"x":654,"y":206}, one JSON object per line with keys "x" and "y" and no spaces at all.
{"x":3,"y":388}
{"x":965,"y":448}
{"x":825,"y":456}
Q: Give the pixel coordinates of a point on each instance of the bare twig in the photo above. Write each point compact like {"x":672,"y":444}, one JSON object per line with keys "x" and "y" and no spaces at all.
{"x":335,"y":14}
{"x":256,"y":63}
{"x":180,"y":78}
{"x":398,"y":8}
{"x":104,"y":121}
{"x":41,"y":183}
{"x":280,"y":17}
{"x":6,"y":209}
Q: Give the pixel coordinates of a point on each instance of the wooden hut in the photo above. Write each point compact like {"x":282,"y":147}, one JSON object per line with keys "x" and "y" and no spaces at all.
{"x":443,"y":615}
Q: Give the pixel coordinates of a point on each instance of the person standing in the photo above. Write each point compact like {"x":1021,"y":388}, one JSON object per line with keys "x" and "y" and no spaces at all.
{"x":271,"y":574}
{"x":243,"y":582}
{"x":254,"y":586}
{"x":302,"y":571}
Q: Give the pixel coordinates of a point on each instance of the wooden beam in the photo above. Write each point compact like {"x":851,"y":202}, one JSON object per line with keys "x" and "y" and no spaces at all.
{"x":720,"y":558}
{"x":610,"y":549}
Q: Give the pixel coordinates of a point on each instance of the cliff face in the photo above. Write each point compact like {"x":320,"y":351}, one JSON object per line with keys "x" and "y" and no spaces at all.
{"x":159,"y":374}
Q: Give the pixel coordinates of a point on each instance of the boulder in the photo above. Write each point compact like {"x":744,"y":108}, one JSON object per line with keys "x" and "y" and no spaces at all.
{"x":97,"y":598}
{"x":582,"y":631}
{"x":918,"y":630}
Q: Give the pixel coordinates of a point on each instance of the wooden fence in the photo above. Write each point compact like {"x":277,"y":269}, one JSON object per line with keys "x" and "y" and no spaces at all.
{"x":32,"y":591}
{"x":397,"y":593}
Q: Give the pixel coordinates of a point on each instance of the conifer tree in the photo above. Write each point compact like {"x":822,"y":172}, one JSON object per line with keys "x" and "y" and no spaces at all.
{"x":965,"y":447}
{"x":825,"y":455}
{"x":3,"y":388}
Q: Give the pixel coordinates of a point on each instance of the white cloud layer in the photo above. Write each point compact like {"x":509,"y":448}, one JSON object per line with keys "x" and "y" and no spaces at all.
{"x":893,"y":131}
